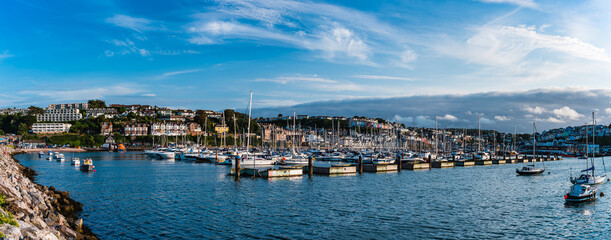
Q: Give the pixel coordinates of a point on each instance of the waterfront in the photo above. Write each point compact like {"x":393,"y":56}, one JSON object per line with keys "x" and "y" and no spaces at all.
{"x":132,"y":197}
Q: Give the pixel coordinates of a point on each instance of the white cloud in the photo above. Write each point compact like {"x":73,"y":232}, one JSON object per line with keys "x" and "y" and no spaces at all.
{"x":342,"y":40}
{"x":126,"y":47}
{"x":535,"y":110}
{"x":124,"y":89}
{"x":507,"y":45}
{"x":522,"y":3}
{"x":567,"y":113}
{"x":5,"y":54}
{"x":449,"y":117}
{"x":149,"y":95}
{"x":408,"y":56}
{"x":169,"y":74}
{"x":608,"y":111}
{"x":136,"y":24}
{"x":502,"y":118}
{"x":381,"y":77}
{"x":285,"y":80}
{"x":554,"y":120}
{"x":336,"y":41}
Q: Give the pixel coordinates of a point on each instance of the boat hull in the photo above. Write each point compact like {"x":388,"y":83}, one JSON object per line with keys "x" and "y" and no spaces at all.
{"x":530,"y":173}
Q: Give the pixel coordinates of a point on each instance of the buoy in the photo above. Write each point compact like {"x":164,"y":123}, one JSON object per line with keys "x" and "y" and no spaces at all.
{"x":565,"y":196}
{"x":602,"y":194}
{"x":608,"y":180}
{"x":549,"y":172}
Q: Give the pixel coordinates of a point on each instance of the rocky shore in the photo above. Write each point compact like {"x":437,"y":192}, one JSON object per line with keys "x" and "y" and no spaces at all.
{"x":31,"y":211}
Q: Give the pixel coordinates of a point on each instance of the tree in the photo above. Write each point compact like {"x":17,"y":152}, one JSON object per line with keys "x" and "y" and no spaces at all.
{"x":23,"y":129}
{"x":33,"y":110}
{"x":96,"y":104}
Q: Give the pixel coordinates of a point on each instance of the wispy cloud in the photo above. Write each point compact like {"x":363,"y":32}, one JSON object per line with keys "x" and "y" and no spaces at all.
{"x":169,"y":74}
{"x":285,"y":80}
{"x":133,"y":23}
{"x":382,"y":77}
{"x":126,"y":47}
{"x":100,"y":92}
{"x":522,"y":3}
{"x":5,"y":54}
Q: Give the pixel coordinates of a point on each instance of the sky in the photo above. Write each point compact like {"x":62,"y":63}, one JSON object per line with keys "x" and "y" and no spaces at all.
{"x":510,"y":62}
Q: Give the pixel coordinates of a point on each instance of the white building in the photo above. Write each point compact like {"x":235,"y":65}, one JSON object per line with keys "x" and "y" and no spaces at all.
{"x":50,"y":127}
{"x":59,"y":115}
{"x":69,"y":105}
{"x":169,"y":129}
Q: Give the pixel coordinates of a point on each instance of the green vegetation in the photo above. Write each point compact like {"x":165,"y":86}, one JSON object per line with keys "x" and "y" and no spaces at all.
{"x":75,"y":140}
{"x":8,"y":217}
{"x":33,"y":110}
{"x":311,"y":123}
{"x":16,"y":124}
{"x":96,"y":104}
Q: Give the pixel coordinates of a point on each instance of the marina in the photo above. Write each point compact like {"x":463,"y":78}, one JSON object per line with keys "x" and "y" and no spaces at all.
{"x":127,"y":184}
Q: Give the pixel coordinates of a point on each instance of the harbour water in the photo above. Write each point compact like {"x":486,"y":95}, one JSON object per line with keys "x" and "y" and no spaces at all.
{"x":132,"y":197}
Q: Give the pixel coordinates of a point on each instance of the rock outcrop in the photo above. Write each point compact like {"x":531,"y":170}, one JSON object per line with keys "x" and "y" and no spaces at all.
{"x":39,"y":212}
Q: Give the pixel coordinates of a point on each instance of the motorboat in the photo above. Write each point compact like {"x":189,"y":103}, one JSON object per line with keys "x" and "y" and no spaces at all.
{"x":87,"y":165}
{"x":75,"y":162}
{"x":581,"y":193}
{"x":60,"y":157}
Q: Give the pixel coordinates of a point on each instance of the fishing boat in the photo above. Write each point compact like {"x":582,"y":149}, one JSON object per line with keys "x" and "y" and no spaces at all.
{"x":581,"y":193}
{"x":530,"y":169}
{"x":87,"y":165}
{"x":75,"y":162}
{"x":588,"y":175}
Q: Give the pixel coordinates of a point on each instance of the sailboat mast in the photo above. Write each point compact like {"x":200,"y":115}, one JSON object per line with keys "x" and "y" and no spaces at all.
{"x":593,"y":141}
{"x":249,"y":112}
{"x":479,"y":134}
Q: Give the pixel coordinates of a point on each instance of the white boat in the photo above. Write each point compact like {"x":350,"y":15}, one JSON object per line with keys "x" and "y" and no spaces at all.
{"x":481,"y":156}
{"x":41,"y":154}
{"x":581,"y":193}
{"x":75,"y":162}
{"x":588,"y":175}
{"x":60,"y":157}
{"x":254,"y":160}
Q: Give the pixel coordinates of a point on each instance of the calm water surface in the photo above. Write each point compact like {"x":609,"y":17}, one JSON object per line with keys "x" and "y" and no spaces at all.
{"x":132,"y":197}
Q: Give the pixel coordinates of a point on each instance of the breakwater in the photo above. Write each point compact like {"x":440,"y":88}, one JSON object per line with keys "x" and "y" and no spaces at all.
{"x":33,"y":211}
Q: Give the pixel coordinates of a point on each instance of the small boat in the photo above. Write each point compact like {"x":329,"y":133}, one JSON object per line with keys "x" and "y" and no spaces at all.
{"x":530,"y":170}
{"x":41,"y":154}
{"x":75,"y":162}
{"x":60,"y":157}
{"x":580,"y":193}
{"x":87,"y":165}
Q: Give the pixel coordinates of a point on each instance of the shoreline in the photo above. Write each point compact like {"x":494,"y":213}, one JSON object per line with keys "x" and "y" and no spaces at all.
{"x":41,"y":212}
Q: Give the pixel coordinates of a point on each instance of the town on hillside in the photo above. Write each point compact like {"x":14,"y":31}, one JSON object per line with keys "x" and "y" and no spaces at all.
{"x":94,"y":125}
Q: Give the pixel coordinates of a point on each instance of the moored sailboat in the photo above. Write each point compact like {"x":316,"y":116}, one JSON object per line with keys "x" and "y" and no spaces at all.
{"x":530,"y":169}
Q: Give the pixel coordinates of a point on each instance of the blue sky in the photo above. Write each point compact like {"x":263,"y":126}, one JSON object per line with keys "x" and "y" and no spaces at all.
{"x":210,"y":54}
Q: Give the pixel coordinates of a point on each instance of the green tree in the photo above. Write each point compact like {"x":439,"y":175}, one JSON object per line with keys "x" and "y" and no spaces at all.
{"x":96,"y":104}
{"x":33,"y":110}
{"x":23,"y":129}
